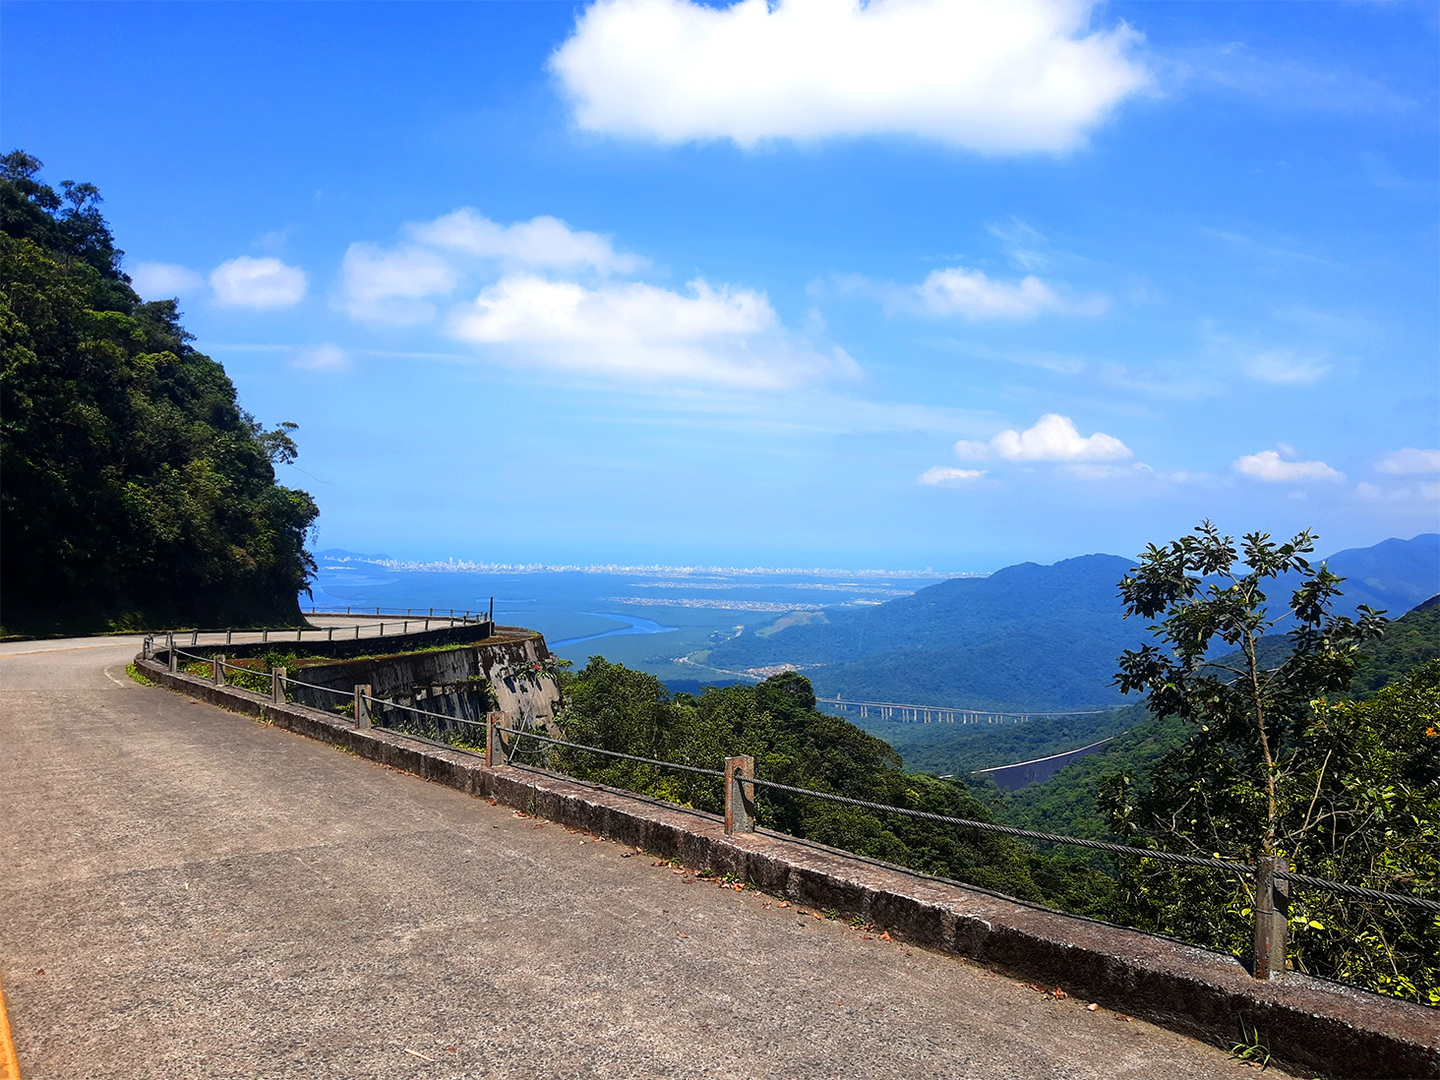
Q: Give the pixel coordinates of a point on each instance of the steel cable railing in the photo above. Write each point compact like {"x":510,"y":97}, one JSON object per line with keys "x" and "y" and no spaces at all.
{"x":1228,"y":866}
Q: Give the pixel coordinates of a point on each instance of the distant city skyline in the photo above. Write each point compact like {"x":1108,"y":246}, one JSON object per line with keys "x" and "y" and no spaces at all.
{"x":910,"y":284}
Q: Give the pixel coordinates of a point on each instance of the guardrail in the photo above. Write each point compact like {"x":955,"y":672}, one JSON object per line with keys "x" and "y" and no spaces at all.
{"x":298,"y":634}
{"x":1272,"y":875}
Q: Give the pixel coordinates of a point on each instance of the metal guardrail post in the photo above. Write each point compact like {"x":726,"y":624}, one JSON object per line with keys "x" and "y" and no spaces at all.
{"x":194,"y":638}
{"x":277,"y":685}
{"x":739,"y":804}
{"x":1272,"y":912}
{"x":362,"y":706}
{"x":218,"y":669}
{"x":265,"y":635}
{"x":330,"y":633}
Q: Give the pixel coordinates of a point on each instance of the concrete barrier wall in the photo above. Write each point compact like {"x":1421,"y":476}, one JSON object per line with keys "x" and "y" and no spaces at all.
{"x":1311,"y":1023}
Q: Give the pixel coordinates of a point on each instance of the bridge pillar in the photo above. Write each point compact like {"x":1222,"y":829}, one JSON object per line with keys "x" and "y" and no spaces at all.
{"x":739,"y":804}
{"x":362,"y":706}
{"x":1272,"y":910}
{"x":277,"y":685}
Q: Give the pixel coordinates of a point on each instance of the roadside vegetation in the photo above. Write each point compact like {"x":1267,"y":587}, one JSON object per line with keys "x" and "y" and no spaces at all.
{"x":1267,"y":750}
{"x":137,"y":493}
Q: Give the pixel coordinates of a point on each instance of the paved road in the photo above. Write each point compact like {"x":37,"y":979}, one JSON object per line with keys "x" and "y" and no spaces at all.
{"x":189,"y":893}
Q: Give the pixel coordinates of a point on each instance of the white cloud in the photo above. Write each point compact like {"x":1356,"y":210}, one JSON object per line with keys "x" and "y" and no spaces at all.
{"x":541,"y":243}
{"x":957,"y":291}
{"x":258,"y":283}
{"x":997,"y":76}
{"x":1285,"y":367}
{"x":1269,"y":466}
{"x":161,"y":281}
{"x":390,"y":286}
{"x":327,"y":357}
{"x":940,"y":476}
{"x":719,"y":336}
{"x":1053,"y":438}
{"x":975,"y":295}
{"x":1410,"y":460}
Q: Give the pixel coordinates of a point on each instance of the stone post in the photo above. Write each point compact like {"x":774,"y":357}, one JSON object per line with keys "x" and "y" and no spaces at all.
{"x":174,"y":663}
{"x":277,"y":685}
{"x":739,"y":803}
{"x":362,"y":706}
{"x":1272,"y":911}
{"x":218,"y":669}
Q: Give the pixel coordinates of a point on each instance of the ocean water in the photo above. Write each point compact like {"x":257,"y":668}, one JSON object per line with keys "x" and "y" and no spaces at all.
{"x":657,"y":619}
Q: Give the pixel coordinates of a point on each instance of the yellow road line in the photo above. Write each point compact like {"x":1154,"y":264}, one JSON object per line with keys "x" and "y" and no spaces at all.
{"x":9,"y":1066}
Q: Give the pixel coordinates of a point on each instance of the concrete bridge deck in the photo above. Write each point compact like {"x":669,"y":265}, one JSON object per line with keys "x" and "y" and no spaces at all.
{"x":189,"y":893}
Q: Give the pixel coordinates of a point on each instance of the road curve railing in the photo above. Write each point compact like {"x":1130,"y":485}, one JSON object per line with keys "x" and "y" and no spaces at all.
{"x":496,"y":740}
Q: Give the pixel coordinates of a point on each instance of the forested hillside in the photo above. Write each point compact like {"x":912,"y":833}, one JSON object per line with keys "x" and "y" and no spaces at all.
{"x":957,"y":749}
{"x":969,"y":642}
{"x":972,"y":642}
{"x":1066,"y":802}
{"x":136,"y":490}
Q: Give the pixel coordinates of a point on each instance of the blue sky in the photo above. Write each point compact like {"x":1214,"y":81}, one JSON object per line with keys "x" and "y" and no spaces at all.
{"x":914,"y":284}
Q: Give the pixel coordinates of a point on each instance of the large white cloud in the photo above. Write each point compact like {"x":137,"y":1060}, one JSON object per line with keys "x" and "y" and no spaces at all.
{"x":1410,"y":460}
{"x":636,"y":331}
{"x":390,"y":286}
{"x":1268,"y":465}
{"x":1053,"y":438}
{"x":541,"y":243}
{"x":258,"y":283}
{"x":396,"y":285}
{"x":997,"y":76}
{"x":158,"y":281}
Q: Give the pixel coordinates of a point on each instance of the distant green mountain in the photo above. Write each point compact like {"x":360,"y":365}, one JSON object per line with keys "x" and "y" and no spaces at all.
{"x":1394,"y":574}
{"x":1026,"y":638}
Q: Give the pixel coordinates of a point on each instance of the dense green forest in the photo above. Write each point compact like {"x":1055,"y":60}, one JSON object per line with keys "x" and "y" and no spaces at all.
{"x":1067,"y":800}
{"x":957,"y":749}
{"x":616,"y":708}
{"x":137,"y":493}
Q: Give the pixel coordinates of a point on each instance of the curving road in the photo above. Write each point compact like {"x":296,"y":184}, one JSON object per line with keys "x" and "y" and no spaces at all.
{"x":188,"y":893}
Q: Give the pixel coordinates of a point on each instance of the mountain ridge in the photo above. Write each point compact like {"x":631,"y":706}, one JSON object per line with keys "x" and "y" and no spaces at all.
{"x":1027,"y":637}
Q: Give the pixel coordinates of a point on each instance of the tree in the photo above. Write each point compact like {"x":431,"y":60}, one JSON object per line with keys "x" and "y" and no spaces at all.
{"x":1250,"y":718}
{"x":1273,"y":766}
{"x":136,"y":490}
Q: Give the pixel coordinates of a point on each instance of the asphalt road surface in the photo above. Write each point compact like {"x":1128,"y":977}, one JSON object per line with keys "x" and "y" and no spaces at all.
{"x":189,"y":893}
